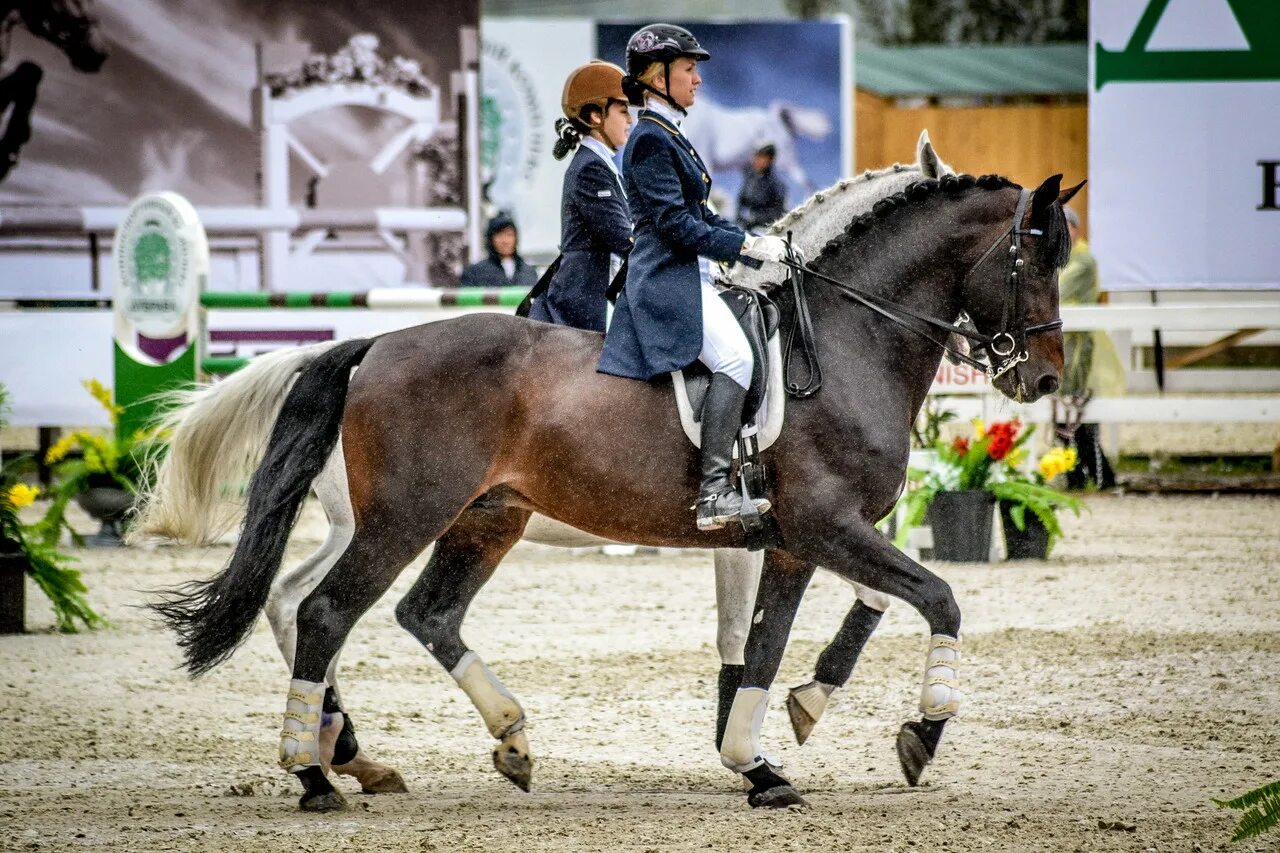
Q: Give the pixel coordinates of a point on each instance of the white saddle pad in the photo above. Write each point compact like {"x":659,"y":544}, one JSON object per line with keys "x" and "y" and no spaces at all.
{"x":766,"y":425}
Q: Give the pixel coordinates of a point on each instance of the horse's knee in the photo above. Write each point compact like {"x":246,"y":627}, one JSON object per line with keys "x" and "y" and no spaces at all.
{"x":941,"y":610}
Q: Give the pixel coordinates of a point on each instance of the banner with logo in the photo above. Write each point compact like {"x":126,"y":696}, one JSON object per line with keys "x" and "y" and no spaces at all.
{"x":523,"y":66}
{"x":1184,"y":143}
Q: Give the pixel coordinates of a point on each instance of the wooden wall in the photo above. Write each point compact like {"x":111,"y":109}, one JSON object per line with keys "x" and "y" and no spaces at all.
{"x":1025,"y":143}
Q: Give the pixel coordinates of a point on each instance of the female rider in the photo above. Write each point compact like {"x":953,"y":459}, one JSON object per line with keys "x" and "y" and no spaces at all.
{"x":669,"y":314}
{"x":595,"y":222}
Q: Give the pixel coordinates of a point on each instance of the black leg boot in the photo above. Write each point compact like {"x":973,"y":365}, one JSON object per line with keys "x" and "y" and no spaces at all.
{"x":718,"y":502}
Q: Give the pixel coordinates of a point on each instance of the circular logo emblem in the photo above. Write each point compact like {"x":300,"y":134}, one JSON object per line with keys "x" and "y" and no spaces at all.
{"x":156,"y":257}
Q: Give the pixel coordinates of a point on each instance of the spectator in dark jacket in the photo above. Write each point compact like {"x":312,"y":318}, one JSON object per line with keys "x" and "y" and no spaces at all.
{"x":763,"y":198}
{"x":504,"y":267}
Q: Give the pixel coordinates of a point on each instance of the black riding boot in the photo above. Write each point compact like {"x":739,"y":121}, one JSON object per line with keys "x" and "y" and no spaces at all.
{"x":718,"y":501}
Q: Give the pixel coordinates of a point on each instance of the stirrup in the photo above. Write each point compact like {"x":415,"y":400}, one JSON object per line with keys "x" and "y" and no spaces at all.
{"x":715,"y":520}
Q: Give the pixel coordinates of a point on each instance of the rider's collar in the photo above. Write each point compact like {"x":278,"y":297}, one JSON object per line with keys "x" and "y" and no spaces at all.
{"x":602,"y":150}
{"x":665,"y":110}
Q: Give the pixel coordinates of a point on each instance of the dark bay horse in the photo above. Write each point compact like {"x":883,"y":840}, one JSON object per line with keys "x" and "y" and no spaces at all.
{"x":520,"y":422}
{"x":70,"y":25}
{"x":812,"y":224}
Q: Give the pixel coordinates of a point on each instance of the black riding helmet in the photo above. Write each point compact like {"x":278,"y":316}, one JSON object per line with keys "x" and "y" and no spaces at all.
{"x":657,"y":43}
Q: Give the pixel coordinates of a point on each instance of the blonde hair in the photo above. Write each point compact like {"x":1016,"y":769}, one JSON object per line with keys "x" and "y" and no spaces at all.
{"x":652,"y":73}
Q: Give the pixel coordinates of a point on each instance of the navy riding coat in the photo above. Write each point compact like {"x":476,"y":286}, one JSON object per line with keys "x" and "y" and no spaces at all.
{"x":657,"y":321}
{"x":595,"y":222}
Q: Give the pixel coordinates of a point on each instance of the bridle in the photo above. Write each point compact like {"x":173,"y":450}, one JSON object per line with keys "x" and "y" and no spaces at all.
{"x":1006,"y":349}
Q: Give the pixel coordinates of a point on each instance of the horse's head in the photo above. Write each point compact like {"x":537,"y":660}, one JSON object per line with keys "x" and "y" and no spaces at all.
{"x":1011,"y":292}
{"x":72,"y":25}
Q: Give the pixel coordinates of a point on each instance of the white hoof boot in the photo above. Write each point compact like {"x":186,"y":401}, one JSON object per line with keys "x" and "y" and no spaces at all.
{"x":500,"y":711}
{"x":740,"y":749}
{"x":940,"y":696}
{"x":300,"y":736}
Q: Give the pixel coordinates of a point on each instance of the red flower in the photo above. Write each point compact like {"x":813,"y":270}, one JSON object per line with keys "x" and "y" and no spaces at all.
{"x":960,"y":445}
{"x":1000,"y":437}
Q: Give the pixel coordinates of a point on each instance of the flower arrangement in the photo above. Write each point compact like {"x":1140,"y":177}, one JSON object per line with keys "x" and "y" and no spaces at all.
{"x":992,"y":460}
{"x":103,"y":460}
{"x":37,"y":542}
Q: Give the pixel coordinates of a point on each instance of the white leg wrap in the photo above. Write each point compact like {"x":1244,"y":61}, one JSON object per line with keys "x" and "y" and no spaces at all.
{"x":740,"y":749}
{"x":300,"y":737}
{"x":500,"y":711}
{"x":940,"y":697}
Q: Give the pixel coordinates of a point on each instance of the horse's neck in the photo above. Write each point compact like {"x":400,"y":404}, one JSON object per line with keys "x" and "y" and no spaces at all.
{"x":919,"y":271}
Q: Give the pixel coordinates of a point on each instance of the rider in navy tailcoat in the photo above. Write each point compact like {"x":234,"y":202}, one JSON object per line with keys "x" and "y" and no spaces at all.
{"x":670,"y":313}
{"x":595,"y":221}
{"x":657,"y":323}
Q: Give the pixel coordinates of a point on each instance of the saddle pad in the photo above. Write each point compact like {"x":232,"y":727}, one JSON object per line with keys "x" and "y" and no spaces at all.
{"x":765,"y":425}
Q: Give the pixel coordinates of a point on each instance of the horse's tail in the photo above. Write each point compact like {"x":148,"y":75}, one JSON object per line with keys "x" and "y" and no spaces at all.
{"x":213,"y":617}
{"x":215,"y":436}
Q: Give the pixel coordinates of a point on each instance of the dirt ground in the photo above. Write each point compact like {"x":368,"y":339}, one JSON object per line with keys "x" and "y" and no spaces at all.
{"x":1112,"y":692}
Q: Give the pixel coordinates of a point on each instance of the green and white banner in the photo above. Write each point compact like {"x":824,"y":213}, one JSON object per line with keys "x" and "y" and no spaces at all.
{"x":1184,"y":143}
{"x":524,"y":63}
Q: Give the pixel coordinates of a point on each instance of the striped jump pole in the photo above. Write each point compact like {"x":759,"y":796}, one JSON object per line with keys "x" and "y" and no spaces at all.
{"x":385,"y":298}
{"x":397,"y":298}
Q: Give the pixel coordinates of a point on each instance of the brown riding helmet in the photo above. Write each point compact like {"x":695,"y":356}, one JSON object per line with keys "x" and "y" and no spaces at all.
{"x":594,"y":84}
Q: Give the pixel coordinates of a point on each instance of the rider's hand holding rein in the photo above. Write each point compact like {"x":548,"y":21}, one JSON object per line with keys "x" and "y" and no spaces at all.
{"x":766,"y":248}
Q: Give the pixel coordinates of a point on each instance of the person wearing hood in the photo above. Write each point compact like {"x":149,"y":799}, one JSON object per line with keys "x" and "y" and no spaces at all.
{"x":504,"y":267}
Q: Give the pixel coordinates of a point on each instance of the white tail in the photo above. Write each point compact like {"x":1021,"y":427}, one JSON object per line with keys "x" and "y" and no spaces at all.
{"x":216,"y":436}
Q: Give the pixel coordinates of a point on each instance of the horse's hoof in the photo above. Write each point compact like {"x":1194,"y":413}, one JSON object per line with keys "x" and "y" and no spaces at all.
{"x":780,"y":797}
{"x":802,"y":718}
{"x":514,"y":763}
{"x":912,"y":753}
{"x":333,"y":801}
{"x":389,"y":781}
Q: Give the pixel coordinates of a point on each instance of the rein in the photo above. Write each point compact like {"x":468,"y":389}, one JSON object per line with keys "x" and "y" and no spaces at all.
{"x":1007,"y":346}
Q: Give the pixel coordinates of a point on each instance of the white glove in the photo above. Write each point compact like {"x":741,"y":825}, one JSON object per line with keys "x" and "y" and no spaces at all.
{"x":766,"y":248}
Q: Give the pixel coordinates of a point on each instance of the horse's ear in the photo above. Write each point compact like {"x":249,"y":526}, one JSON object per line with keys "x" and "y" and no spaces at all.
{"x":927,"y":157}
{"x":1044,"y":196}
{"x":1070,"y":193}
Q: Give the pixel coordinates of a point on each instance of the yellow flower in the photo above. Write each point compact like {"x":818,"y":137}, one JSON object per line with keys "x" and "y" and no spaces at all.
{"x":979,"y":428}
{"x":1017,"y":457}
{"x":64,"y":446}
{"x":1057,"y":461}
{"x":21,"y":495}
{"x":102,"y":394}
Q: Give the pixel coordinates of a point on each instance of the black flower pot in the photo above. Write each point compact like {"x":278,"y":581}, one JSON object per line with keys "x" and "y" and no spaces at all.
{"x":1030,"y":543}
{"x":111,"y":506}
{"x":961,"y":523}
{"x":13,"y":587}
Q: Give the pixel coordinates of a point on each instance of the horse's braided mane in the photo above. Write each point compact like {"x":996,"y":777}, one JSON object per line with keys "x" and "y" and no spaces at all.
{"x":914,"y":192}
{"x":804,"y":208}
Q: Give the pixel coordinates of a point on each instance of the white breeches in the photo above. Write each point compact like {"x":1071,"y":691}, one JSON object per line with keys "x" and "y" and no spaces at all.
{"x":724,"y":344}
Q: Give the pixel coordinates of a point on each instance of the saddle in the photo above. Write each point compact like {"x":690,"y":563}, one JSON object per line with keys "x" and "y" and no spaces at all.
{"x":763,"y":409}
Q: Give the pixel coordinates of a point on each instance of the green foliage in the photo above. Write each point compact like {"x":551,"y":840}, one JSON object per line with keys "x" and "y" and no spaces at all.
{"x":927,"y":429}
{"x":51,"y":570}
{"x":992,"y":461}
{"x":1020,"y":22}
{"x":1261,"y":808}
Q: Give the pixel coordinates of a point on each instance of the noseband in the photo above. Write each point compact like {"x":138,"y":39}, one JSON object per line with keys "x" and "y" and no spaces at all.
{"x":1006,"y":349}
